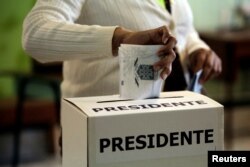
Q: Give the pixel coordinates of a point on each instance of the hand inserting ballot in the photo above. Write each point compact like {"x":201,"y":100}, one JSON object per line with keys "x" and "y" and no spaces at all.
{"x":207,"y":61}
{"x":158,"y":36}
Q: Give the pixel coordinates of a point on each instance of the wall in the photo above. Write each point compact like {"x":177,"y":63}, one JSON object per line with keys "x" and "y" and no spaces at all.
{"x":213,"y":14}
{"x":12,"y":57}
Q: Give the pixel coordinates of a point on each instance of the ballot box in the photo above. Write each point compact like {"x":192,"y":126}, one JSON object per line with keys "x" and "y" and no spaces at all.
{"x":175,"y":130}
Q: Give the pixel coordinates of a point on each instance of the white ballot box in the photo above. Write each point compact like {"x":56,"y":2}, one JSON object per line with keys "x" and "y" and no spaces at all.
{"x":175,"y":130}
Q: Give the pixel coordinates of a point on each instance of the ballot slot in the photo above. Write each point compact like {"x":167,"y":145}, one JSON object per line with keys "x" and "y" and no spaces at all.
{"x":126,"y":100}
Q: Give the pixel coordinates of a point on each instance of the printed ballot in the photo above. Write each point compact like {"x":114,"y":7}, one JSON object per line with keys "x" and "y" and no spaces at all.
{"x":176,"y":129}
{"x":138,"y":79}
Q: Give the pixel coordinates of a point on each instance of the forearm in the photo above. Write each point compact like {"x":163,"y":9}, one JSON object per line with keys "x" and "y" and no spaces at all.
{"x":49,"y":34}
{"x":58,"y":42}
{"x":194,"y":43}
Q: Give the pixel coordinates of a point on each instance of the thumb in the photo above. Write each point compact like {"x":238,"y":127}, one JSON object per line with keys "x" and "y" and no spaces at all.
{"x":161,"y":35}
{"x":166,"y":35}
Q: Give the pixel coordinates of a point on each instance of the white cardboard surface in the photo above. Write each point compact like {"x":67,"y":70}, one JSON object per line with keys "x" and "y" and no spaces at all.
{"x":89,"y":123}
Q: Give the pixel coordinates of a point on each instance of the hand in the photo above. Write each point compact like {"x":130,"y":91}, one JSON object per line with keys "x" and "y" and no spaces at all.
{"x":158,"y":36}
{"x":206,"y":60}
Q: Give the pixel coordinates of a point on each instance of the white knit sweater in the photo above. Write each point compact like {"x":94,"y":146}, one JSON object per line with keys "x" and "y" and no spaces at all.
{"x":79,"y":33}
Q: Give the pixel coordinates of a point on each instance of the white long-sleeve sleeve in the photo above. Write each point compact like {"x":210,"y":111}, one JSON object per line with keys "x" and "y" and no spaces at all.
{"x":51,"y":34}
{"x":188,"y":38}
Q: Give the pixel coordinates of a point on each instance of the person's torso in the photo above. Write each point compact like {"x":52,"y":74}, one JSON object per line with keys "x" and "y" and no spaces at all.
{"x":132,"y":14}
{"x":100,"y":77}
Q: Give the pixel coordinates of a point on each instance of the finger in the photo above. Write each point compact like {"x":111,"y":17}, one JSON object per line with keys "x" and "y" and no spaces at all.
{"x":204,"y":76}
{"x":198,"y":61}
{"x":166,"y":71}
{"x":165,"y":61}
{"x":218,"y":66}
{"x":165,"y":33}
{"x":216,"y":71}
{"x":166,"y":65}
{"x":208,"y":69}
{"x":170,"y":45}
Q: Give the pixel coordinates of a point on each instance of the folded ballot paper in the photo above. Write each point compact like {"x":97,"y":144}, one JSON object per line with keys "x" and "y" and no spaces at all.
{"x":194,"y":85}
{"x":138,"y":79}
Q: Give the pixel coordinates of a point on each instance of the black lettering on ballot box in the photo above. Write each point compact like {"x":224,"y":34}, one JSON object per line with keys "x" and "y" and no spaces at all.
{"x":176,"y":129}
{"x":228,"y":158}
